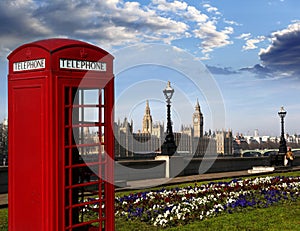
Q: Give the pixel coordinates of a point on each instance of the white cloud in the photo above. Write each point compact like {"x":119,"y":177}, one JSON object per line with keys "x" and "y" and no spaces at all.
{"x":170,"y":6}
{"x":211,"y":9}
{"x":205,"y":56}
{"x":212,"y":38}
{"x":244,"y":36}
{"x":110,"y":23}
{"x":251,"y":43}
{"x":230,"y":22}
{"x":195,"y":15}
{"x":110,"y":33}
{"x":205,"y":29}
{"x":181,"y":9}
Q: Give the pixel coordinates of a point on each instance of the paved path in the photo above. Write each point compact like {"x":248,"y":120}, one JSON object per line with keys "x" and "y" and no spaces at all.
{"x":3,"y":200}
{"x":139,"y":184}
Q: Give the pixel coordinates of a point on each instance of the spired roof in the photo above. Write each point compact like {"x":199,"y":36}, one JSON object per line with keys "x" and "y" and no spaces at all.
{"x":54,"y":44}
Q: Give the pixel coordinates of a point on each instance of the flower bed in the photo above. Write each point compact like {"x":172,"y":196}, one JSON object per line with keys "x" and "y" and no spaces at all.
{"x":181,"y":205}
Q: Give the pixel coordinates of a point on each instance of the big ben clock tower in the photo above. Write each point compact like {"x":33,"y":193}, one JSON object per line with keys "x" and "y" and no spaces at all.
{"x":198,"y":121}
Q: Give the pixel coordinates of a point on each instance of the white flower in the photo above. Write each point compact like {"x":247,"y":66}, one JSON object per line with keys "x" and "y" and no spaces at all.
{"x":163,"y":222}
{"x":167,"y":213}
{"x":178,"y":216}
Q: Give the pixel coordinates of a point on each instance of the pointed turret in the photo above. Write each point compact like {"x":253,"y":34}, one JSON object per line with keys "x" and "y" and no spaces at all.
{"x":147,"y":120}
{"x":197,"y":107}
{"x":147,"y":109}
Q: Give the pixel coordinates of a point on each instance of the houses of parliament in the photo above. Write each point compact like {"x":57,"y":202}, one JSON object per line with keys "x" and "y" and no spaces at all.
{"x":190,"y":141}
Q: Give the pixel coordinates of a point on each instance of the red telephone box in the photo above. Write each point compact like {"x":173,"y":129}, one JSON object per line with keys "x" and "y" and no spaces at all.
{"x":61,"y":96}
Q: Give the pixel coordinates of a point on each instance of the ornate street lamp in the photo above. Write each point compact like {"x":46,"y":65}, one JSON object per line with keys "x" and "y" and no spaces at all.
{"x":282,"y":143}
{"x":168,"y":147}
{"x":278,"y":159}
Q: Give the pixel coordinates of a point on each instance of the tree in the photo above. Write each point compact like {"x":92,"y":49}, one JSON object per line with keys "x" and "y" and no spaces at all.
{"x":3,"y":139}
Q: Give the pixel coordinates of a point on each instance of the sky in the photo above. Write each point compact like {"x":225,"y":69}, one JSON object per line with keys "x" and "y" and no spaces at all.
{"x":240,"y":59}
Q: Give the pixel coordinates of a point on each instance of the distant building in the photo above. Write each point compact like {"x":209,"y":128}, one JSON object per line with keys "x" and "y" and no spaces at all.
{"x":123,"y":138}
{"x":158,"y":131}
{"x":274,"y":139}
{"x":295,"y":139}
{"x":224,"y":142}
{"x":128,"y":143}
{"x":144,"y":143}
{"x":5,"y":122}
{"x":89,"y":137}
{"x":204,"y":146}
{"x":183,"y":142}
{"x":239,"y":143}
{"x":190,"y":140}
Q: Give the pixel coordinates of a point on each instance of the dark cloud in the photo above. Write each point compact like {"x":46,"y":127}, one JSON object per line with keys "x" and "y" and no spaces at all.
{"x":14,"y":20}
{"x":221,"y":70}
{"x":283,"y":55}
{"x":259,"y":70}
{"x":18,"y":26}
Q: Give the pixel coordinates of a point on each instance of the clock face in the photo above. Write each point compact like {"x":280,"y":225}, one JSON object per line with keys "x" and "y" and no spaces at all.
{"x":196,"y":120}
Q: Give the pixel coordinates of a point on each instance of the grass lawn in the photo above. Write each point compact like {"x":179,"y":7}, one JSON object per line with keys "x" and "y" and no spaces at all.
{"x":3,"y":219}
{"x":276,"y":218}
{"x":279,"y":217}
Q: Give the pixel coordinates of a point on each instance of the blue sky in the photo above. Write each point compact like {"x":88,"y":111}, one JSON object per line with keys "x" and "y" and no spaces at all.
{"x":250,"y":48}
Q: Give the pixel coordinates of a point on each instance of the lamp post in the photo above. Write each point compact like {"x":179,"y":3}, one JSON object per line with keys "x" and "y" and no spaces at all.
{"x":168,"y":147}
{"x":282,"y":144}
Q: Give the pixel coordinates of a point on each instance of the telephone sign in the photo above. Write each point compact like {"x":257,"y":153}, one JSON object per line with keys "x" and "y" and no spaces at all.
{"x":29,"y":65}
{"x":82,"y":65}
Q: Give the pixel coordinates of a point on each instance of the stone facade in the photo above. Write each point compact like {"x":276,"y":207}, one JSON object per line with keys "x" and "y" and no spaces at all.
{"x":190,"y":141}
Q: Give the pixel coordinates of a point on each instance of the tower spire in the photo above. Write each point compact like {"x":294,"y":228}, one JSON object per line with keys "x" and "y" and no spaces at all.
{"x":147,"y":109}
{"x":147,"y":120}
{"x":197,"y":107}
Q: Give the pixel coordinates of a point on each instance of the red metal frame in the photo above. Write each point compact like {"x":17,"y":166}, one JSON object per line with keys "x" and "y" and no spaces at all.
{"x":66,"y":183}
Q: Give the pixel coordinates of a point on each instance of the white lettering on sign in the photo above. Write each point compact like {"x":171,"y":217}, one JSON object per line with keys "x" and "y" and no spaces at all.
{"x":29,"y":65}
{"x":82,"y":65}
